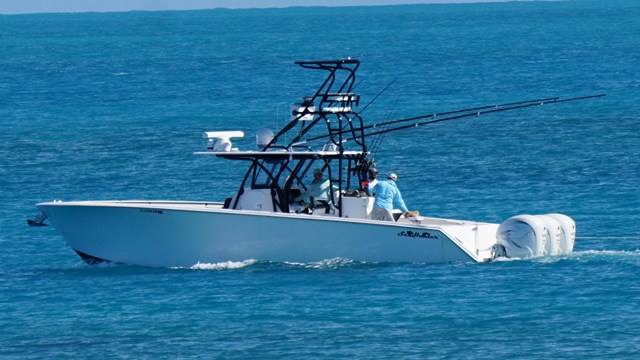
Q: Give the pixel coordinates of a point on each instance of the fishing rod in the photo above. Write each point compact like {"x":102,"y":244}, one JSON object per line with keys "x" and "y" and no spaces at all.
{"x":535,"y":102}
{"x":376,"y":97}
{"x":478,"y":113}
{"x":357,"y":84}
{"x":380,"y":139}
{"x":370,"y":102}
{"x":377,"y":140}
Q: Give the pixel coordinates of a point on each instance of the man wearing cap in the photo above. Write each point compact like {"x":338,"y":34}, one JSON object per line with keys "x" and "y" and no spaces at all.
{"x":318,"y":189}
{"x":373,"y":180}
{"x":387,"y":196}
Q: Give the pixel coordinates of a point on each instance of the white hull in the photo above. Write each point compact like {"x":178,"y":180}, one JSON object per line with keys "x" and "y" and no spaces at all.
{"x":181,"y":234}
{"x":307,"y":196}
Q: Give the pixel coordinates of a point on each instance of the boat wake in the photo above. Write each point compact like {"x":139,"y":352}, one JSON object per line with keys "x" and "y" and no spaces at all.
{"x":586,"y":256}
{"x":622,"y":255}
{"x":334,"y":263}
{"x":225,"y":265}
{"x":94,"y":265}
{"x":583,"y":256}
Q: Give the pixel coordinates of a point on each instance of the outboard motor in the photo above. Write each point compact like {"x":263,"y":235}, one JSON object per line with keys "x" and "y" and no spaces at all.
{"x":526,"y":236}
{"x":498,"y":251}
{"x":523,"y":236}
{"x":568,"y":232}
{"x":554,"y":231}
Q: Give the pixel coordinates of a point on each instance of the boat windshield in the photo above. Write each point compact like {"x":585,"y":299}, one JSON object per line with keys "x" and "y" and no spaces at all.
{"x":268,"y":173}
{"x":271,"y":173}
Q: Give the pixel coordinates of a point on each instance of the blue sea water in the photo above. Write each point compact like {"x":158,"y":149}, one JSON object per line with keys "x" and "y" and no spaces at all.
{"x":112,"y":105}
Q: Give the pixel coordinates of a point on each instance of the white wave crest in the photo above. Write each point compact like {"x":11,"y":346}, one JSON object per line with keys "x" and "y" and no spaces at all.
{"x":579,"y":256}
{"x":223,"y":265}
{"x":505,"y":259}
{"x":606,"y":254}
{"x":324,"y":264}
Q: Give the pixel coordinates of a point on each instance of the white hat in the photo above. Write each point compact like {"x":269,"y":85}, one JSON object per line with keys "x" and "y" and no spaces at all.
{"x":393,"y":177}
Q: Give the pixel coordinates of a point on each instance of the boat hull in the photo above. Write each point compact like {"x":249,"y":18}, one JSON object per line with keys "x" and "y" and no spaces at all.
{"x":175,"y":234}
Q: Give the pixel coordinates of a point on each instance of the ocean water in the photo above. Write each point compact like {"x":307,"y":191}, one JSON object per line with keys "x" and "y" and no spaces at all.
{"x":112,"y":105}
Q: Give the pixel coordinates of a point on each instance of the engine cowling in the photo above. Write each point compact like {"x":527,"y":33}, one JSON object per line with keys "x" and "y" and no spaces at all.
{"x":525,"y":236}
{"x":568,"y":232}
{"x":554,"y":232}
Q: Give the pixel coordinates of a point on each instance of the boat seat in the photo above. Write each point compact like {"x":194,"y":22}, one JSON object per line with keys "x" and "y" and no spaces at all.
{"x":294,"y":193}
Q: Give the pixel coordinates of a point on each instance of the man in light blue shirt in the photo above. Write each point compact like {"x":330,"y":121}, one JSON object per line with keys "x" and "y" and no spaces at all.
{"x":387,"y":196}
{"x":319,"y":189}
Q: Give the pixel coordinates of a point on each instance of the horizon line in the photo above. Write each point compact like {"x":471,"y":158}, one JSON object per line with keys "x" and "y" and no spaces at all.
{"x":72,"y":6}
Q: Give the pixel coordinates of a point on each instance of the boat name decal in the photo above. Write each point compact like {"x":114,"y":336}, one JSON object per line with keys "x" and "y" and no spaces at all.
{"x":151,"y":211}
{"x":411,"y":234}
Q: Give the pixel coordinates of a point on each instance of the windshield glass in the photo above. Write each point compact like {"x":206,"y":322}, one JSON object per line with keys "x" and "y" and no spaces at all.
{"x":265,"y":178}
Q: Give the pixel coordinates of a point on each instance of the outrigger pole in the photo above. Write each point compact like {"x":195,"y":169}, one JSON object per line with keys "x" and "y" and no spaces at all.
{"x":473,"y":112}
{"x":535,"y":102}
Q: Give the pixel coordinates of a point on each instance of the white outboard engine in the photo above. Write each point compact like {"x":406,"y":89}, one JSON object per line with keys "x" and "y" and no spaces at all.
{"x":523,"y":236}
{"x":568,"y":232}
{"x":554,"y":232}
{"x":526,"y":236}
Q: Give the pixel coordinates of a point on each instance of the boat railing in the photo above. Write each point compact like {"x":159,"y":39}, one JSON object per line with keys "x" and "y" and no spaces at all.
{"x":338,"y":102}
{"x":343,"y":98}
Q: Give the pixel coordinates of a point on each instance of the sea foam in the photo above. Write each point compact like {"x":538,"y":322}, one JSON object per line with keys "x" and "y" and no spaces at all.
{"x":223,"y":265}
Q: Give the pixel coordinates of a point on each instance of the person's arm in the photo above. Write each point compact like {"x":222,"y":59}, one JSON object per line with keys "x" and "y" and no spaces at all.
{"x":307,"y":194}
{"x":301,"y":197}
{"x":372,"y":185}
{"x":324,"y":190}
{"x":318,"y":191}
{"x":398,"y":200}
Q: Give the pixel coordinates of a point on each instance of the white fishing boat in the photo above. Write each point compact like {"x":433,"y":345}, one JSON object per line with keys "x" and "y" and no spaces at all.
{"x":263,"y":218}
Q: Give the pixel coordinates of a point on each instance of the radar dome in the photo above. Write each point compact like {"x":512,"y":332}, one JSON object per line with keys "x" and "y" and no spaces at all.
{"x":263,"y":138}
